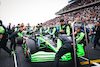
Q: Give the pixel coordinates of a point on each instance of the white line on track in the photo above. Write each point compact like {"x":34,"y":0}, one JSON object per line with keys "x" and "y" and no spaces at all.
{"x":15,"y":60}
{"x":97,"y":64}
{"x":84,"y":58}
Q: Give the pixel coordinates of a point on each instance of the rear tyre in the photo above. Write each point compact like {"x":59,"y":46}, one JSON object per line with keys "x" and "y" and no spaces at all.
{"x":19,"y":40}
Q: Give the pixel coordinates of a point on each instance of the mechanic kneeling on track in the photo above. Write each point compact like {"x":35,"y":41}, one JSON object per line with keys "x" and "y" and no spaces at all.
{"x":66,"y":47}
{"x":3,"y":41}
{"x":14,"y":35}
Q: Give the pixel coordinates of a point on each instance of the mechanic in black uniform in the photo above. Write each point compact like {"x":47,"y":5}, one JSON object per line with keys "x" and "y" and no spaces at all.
{"x":65,"y":48}
{"x":14,"y":35}
{"x":1,"y":24}
{"x":97,"y":35}
{"x":64,"y":27}
{"x":80,"y":36}
{"x":3,"y":41}
{"x":9,"y":28}
{"x":17,"y":27}
{"x":69,"y":24}
{"x":38,"y":28}
{"x":28,"y":27}
{"x":52,"y":30}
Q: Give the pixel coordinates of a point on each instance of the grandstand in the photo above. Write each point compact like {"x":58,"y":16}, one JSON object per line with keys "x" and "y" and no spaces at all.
{"x":77,"y":4}
{"x":89,"y":10}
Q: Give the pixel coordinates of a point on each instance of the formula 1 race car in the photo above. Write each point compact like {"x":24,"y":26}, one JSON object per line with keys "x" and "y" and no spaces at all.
{"x":41,"y":48}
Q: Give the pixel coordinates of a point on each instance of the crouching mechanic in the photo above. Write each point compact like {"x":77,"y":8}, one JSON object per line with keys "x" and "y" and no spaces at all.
{"x":65,"y":48}
{"x":3,"y":41}
{"x":80,"y":36}
{"x":14,"y":35}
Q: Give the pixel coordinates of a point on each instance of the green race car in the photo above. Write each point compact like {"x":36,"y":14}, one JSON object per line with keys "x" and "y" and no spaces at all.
{"x":41,"y":48}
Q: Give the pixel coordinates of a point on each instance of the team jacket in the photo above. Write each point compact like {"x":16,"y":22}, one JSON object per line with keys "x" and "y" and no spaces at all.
{"x":4,"y":38}
{"x":2,"y":30}
{"x":16,"y":34}
{"x":80,"y":37}
{"x":16,"y":28}
{"x":28,"y":28}
{"x":66,"y":28}
{"x":38,"y":29}
{"x":66,"y":41}
{"x":51,"y":31}
{"x":3,"y":27}
{"x":9,"y":28}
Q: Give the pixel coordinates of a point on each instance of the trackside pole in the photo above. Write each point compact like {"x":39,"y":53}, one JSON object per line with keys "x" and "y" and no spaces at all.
{"x":87,"y":44}
{"x":74,"y":44}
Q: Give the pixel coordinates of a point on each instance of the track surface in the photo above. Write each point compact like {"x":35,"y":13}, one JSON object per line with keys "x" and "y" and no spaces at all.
{"x":8,"y":61}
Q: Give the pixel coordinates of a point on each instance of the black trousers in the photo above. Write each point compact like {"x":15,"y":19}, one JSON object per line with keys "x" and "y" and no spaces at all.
{"x":6,"y":49}
{"x":61,"y":52}
{"x":96,"y":41}
{"x":13,"y":43}
{"x":3,"y":43}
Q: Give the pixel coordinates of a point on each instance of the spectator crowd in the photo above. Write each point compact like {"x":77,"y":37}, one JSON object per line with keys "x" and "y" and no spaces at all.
{"x":89,"y":15}
{"x":76,"y":3}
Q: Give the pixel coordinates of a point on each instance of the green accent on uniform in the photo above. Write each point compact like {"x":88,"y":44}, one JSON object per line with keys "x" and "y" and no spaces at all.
{"x":20,"y":34}
{"x":80,"y":37}
{"x":2,"y":30}
{"x":68,"y":30}
{"x":15,"y":29}
{"x":59,"y":44}
{"x":54,"y":31}
{"x":80,"y":50}
{"x":23,"y":32}
{"x":47,"y":30}
{"x":40,"y":29}
{"x":30,"y":28}
{"x":60,"y":27}
{"x":35,"y":28}
{"x":66,"y":57}
{"x":12,"y":52}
